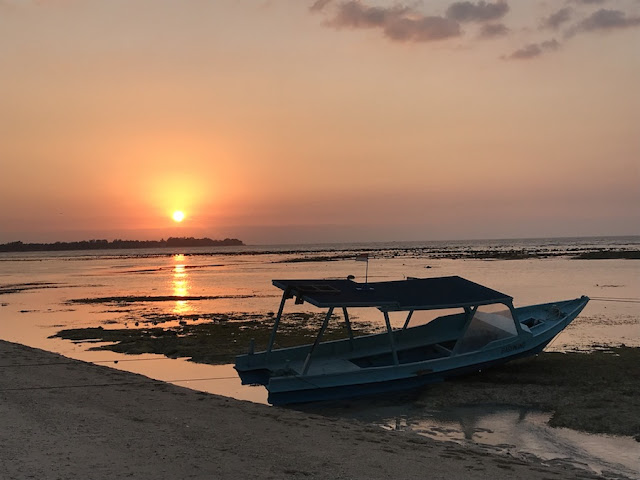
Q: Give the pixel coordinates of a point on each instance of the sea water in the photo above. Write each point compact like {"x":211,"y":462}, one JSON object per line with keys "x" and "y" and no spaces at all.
{"x":36,"y":290}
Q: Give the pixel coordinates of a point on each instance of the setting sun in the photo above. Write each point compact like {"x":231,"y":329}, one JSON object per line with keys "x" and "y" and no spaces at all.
{"x":178,"y":216}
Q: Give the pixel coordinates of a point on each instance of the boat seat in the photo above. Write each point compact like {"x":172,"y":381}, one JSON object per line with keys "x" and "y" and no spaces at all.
{"x":407,"y":355}
{"x":321,"y":366}
{"x":442,"y":348}
{"x":531,"y":324}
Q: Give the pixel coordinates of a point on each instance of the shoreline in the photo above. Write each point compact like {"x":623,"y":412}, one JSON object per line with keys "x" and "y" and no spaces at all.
{"x":63,"y":418}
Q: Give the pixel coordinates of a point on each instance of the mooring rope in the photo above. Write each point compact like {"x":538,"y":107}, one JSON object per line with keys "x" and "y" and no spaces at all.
{"x":615,"y":299}
{"x":71,"y":362}
{"x":115,"y":384}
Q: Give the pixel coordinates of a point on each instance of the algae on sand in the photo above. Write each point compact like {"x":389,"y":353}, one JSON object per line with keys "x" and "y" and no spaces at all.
{"x":217,"y":341}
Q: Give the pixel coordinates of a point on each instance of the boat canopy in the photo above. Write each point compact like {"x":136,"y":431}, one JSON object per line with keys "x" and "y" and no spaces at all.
{"x":400,"y":295}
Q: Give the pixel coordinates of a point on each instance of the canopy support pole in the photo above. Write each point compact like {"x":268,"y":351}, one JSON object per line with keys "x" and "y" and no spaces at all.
{"x":307,"y":360}
{"x":406,"y":322}
{"x":516,"y":320}
{"x":470,"y":314}
{"x":348,"y":324}
{"x":272,"y":339}
{"x":391,"y":340}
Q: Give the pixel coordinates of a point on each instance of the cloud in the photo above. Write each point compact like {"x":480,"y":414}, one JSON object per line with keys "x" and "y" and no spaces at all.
{"x":398,"y":23}
{"x":319,"y":5}
{"x":530,"y":51}
{"x":589,"y":2}
{"x":492,"y":30}
{"x":534,"y":50}
{"x":606,"y":20}
{"x":555,"y":20}
{"x":354,"y":14}
{"x":477,"y":12}
{"x":422,"y":29}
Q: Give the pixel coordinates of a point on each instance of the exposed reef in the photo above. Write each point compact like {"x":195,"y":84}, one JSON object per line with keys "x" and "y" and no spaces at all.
{"x":123,"y":299}
{"x":22,"y":287}
{"x":217,"y":341}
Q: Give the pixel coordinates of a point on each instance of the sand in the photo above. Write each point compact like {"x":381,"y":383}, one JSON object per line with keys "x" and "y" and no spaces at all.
{"x":62,"y":419}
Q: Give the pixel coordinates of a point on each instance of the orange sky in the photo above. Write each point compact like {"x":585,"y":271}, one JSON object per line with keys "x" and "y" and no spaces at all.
{"x":288,"y":121}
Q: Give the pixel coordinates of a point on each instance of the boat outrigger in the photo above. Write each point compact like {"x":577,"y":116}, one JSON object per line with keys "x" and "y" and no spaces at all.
{"x":487,"y":331}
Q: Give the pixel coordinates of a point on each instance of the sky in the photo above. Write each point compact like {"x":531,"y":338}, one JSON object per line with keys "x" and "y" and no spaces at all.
{"x":289,"y":121}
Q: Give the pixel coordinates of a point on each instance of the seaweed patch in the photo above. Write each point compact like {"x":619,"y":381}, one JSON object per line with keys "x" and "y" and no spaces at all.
{"x":216,"y":339}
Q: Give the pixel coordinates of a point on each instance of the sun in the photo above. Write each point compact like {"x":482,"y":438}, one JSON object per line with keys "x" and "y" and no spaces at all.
{"x":178,"y":216}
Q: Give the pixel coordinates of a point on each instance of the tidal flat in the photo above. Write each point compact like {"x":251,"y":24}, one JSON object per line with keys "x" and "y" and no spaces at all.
{"x":168,"y":299}
{"x":596,"y":391}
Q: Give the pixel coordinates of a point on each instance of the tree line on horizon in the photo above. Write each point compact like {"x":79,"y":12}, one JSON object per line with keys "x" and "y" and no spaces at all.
{"x":119,"y":244}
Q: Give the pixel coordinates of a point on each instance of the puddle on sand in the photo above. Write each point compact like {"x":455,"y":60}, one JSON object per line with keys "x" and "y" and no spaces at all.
{"x":220,"y":380}
{"x":519,"y":431}
{"x":515,"y":431}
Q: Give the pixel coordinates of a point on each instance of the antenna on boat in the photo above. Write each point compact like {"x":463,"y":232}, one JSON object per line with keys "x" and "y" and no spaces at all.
{"x":364,"y":257}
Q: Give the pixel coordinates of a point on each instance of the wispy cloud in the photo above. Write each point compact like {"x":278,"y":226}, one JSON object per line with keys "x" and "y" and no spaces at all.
{"x":318,"y":5}
{"x":534,"y":50}
{"x":493,"y":30}
{"x":413,"y":22}
{"x":398,"y":23}
{"x":477,"y":12}
{"x":557,"y":19}
{"x":589,"y":2}
{"x":422,"y":29}
{"x":606,"y":20}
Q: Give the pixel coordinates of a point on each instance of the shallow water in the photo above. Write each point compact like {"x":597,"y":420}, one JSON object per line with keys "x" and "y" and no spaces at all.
{"x":515,"y":431}
{"x":233,"y":281}
{"x":503,"y":429}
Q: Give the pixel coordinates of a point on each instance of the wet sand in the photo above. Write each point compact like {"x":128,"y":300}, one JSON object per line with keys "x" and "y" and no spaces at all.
{"x":62,"y":418}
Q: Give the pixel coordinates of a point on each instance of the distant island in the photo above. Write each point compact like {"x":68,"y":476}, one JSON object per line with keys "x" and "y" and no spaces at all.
{"x":119,"y":244}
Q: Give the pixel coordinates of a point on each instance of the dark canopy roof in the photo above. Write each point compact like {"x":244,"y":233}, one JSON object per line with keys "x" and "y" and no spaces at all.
{"x":412,"y":294}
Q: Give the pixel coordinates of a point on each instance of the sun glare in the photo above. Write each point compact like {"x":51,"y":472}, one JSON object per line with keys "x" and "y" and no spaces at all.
{"x":178,"y":216}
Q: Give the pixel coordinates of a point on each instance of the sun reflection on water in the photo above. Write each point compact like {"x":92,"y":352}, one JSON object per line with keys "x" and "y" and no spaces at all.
{"x":180,"y":286}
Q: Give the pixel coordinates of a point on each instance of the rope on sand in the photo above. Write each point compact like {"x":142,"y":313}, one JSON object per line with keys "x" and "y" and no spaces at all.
{"x":71,"y":362}
{"x":114,"y":384}
{"x":614,"y":299}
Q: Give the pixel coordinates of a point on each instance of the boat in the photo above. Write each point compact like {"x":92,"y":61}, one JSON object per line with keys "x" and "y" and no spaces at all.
{"x":480,"y":329}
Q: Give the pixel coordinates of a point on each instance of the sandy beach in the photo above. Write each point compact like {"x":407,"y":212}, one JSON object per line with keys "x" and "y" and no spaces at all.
{"x":62,"y":418}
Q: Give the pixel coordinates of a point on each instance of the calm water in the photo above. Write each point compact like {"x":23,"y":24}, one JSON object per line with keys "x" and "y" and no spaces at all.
{"x":241,"y":279}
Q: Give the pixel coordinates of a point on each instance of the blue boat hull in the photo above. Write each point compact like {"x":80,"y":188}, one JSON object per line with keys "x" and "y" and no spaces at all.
{"x":387,"y":386}
{"x":367,"y":367}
